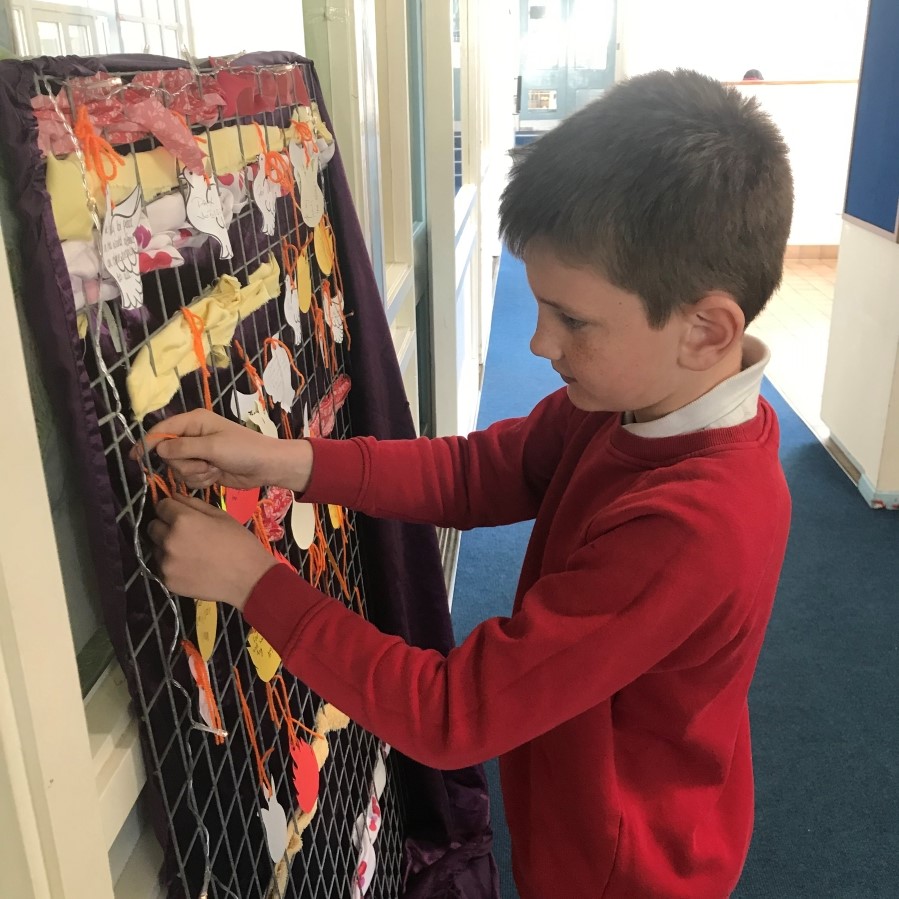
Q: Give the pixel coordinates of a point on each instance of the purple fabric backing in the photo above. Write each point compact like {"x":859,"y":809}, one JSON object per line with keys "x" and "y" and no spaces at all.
{"x":449,"y":837}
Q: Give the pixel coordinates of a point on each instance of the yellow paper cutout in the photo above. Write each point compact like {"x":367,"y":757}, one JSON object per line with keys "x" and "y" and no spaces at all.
{"x":324,"y":249}
{"x":335,"y":513}
{"x":207,"y":625}
{"x":264,"y":657}
{"x":169,"y":354}
{"x":303,"y":275}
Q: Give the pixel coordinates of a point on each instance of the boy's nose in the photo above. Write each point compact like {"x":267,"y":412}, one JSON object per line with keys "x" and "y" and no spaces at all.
{"x":543,"y":346}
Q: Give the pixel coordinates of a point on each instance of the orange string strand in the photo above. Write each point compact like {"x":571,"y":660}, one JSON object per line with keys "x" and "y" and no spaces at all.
{"x":196,"y":325}
{"x":252,"y":374}
{"x":322,"y":541}
{"x":275,"y":166}
{"x":260,"y":531}
{"x":202,"y":678}
{"x":283,"y":713}
{"x":251,"y":735}
{"x":99,"y":156}
{"x":285,"y":424}
{"x":273,"y":342}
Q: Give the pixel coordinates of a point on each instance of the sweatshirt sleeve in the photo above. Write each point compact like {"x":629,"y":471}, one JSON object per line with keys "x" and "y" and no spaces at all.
{"x":496,"y":476}
{"x":579,"y":636}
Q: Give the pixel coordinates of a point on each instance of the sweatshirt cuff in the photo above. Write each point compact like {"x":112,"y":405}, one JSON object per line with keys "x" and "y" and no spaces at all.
{"x":279,"y":604}
{"x":339,"y":472}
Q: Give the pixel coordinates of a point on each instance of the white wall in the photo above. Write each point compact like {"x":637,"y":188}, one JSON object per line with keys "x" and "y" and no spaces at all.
{"x":861,"y":385}
{"x":816,"y":122}
{"x":787,"y":40}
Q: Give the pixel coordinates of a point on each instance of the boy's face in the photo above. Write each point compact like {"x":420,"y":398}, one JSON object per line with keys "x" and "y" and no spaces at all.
{"x":598,"y":339}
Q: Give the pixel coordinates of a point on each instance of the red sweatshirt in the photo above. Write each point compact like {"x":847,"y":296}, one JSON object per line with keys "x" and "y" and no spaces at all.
{"x":615,"y":693}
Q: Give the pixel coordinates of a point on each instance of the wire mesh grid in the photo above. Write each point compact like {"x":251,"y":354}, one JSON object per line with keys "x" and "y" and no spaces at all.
{"x":208,"y":794}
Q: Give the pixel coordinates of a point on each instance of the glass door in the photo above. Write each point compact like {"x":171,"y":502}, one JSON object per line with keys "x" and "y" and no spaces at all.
{"x":567,"y":57}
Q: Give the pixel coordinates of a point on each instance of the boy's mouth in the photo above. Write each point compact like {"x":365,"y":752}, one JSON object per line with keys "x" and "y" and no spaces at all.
{"x":565,"y":378}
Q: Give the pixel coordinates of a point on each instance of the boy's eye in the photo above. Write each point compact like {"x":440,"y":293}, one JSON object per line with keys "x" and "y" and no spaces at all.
{"x":573,"y":324}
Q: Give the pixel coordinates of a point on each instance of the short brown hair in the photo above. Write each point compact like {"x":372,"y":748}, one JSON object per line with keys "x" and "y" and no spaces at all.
{"x":670,"y":185}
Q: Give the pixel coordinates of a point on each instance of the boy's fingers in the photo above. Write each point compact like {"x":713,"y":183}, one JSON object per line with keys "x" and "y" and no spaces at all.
{"x":192,"y":470}
{"x":173,"y":450}
{"x":156,"y":531}
{"x":194,"y":424}
{"x":198,"y":505}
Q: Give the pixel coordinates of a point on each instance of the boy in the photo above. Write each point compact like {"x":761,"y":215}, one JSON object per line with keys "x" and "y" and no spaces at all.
{"x":653,"y":225}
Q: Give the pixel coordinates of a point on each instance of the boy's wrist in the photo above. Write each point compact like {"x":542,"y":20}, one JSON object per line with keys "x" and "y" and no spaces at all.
{"x":292,"y":466}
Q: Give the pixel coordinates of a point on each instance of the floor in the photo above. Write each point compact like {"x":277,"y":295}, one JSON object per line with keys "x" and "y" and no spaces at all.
{"x":796,"y":326}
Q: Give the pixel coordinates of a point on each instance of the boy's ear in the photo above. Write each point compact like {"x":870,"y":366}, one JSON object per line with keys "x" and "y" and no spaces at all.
{"x":713,"y":330}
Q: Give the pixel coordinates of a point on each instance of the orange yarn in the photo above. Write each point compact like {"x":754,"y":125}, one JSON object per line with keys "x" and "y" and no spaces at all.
{"x":202,"y":677}
{"x":282,"y":712}
{"x":98,"y":152}
{"x":270,"y":342}
{"x":275,"y":166}
{"x":252,"y":374}
{"x":260,"y":531}
{"x":197,"y":325}
{"x":304,"y":132}
{"x":251,"y":735}
{"x":322,"y":542}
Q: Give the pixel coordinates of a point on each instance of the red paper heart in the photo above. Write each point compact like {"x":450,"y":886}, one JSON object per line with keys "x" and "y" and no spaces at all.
{"x":305,"y":775}
{"x":241,"y":504}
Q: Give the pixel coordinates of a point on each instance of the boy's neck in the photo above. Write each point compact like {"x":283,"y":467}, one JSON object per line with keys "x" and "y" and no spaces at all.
{"x":695,"y":387}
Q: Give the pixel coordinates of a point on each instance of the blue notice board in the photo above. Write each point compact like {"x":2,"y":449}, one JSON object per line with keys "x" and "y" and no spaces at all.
{"x":872,"y":188}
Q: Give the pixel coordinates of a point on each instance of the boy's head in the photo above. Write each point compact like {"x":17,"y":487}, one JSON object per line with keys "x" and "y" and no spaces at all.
{"x":671,"y":186}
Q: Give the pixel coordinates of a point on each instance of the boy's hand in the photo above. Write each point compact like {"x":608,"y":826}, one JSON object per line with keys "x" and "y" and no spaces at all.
{"x":207,"y":449}
{"x":204,"y":553}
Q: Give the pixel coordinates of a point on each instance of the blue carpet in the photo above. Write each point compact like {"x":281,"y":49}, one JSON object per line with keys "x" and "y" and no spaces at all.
{"x":825,"y":700}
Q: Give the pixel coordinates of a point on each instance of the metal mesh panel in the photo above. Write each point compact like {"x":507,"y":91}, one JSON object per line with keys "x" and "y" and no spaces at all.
{"x":209,"y":794}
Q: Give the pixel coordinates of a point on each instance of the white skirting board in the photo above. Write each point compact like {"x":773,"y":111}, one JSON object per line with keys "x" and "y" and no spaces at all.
{"x":877,"y":499}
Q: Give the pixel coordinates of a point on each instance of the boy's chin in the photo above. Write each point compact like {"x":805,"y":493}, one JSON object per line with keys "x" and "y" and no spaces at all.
{"x":585,"y":402}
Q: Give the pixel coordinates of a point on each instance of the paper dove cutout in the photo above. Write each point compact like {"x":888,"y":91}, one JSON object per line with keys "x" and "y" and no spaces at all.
{"x":242,"y":404}
{"x":305,"y":167}
{"x":119,"y":245}
{"x":205,"y":211}
{"x":274,"y":820}
{"x":333,"y":310}
{"x":276,"y":376}
{"x":292,"y":314}
{"x":265,"y":193}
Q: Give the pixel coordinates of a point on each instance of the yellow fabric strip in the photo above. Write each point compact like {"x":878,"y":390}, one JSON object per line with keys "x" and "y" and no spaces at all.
{"x":169,"y":354}
{"x":232,"y":148}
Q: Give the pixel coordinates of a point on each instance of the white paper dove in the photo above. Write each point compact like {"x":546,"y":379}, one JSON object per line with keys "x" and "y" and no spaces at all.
{"x":333,"y":310}
{"x":119,"y":246}
{"x":265,"y":193}
{"x":242,"y":404}
{"x":312,"y":200}
{"x":276,"y":376}
{"x":292,"y":314}
{"x":258,"y":419}
{"x":274,"y":820}
{"x":205,"y":211}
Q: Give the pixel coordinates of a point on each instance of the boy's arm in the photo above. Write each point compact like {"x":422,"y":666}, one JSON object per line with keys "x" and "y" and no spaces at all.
{"x":579,"y":636}
{"x":491,"y":477}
